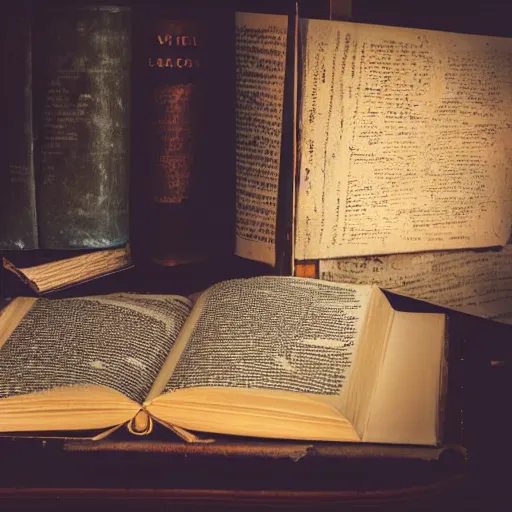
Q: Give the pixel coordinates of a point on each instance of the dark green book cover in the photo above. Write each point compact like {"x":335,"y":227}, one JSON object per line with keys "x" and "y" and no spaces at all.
{"x":81,"y":125}
{"x":18,"y":227}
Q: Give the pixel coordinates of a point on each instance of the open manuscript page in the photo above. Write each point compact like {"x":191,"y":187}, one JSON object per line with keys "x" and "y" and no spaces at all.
{"x":260,"y":74}
{"x":270,"y":333}
{"x":479,"y":283}
{"x":406,"y":140}
{"x":119,"y":341}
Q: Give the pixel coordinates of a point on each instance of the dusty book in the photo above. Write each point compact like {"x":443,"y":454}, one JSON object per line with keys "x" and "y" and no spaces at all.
{"x":144,"y":111}
{"x":178,"y":100}
{"x":273,"y":357}
{"x":65,"y":165}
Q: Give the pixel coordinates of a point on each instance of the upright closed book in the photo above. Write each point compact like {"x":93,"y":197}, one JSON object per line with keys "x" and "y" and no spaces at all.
{"x":18,"y":225}
{"x":81,"y":97}
{"x":175,"y":112}
{"x":65,"y":161}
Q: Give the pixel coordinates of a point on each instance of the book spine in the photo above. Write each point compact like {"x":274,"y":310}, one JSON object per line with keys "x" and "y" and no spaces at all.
{"x":82,"y":59}
{"x":167,"y":107}
{"x":18,"y":225}
{"x":183,"y":135}
{"x":172,"y":109}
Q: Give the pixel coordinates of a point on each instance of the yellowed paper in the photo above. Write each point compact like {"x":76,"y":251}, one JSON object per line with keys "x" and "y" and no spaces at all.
{"x":406,"y":141}
{"x":479,"y":283}
{"x":260,"y":73}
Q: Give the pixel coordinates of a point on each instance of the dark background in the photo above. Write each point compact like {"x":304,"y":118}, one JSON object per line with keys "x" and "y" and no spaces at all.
{"x":486,"y":422}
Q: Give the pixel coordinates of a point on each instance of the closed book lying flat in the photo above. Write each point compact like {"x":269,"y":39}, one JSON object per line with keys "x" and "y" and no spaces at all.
{"x":71,"y":271}
{"x":273,"y":357}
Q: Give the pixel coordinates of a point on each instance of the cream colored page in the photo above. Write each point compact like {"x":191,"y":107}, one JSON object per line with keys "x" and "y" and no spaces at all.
{"x":405,"y":405}
{"x":177,"y":349}
{"x":260,"y":73}
{"x":12,"y":315}
{"x":405,"y":141}
{"x":119,"y":341}
{"x":505,"y":319}
{"x":269,"y":333}
{"x":479,"y":283}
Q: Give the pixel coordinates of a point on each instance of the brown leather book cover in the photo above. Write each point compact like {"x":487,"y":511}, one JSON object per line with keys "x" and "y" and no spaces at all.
{"x":181,"y":134}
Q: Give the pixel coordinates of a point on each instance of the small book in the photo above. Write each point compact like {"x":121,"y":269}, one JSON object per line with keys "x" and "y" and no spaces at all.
{"x":59,"y":274}
{"x":272,"y":357}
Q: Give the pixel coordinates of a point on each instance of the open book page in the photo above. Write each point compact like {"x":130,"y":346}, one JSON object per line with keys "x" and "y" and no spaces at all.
{"x":478,"y":283}
{"x":119,"y":341}
{"x":406,"y":140}
{"x":260,"y":74}
{"x":405,"y":405}
{"x":271,"y":333}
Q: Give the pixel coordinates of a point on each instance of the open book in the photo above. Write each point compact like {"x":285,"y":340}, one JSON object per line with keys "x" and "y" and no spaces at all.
{"x":275,"y":357}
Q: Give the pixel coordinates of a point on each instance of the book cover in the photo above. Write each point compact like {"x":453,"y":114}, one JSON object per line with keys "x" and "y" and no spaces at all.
{"x":81,"y":123}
